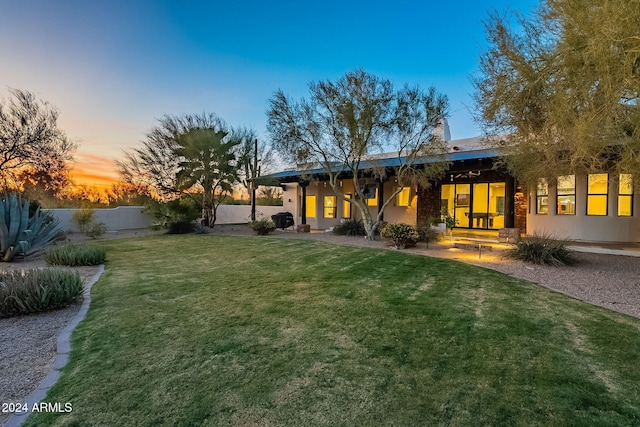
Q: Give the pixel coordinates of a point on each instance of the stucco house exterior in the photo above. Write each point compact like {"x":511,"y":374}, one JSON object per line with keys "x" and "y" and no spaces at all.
{"x":481,"y":196}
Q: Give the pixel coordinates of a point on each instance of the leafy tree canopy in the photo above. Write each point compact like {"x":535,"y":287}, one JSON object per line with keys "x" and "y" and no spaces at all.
{"x":190,"y":155}
{"x":344,"y":123}
{"x":34,"y":152}
{"x":562,"y":91}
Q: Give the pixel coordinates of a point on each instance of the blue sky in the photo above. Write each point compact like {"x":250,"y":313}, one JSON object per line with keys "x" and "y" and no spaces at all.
{"x":113,"y":67}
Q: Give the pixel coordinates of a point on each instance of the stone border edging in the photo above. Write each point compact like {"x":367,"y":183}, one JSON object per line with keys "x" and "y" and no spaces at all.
{"x":63,"y":347}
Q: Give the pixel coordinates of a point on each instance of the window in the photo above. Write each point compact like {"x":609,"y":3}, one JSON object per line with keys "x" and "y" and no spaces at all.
{"x":403,"y":198}
{"x":566,"y":195}
{"x":346,"y":207}
{"x":542,"y":197}
{"x":373,"y":201}
{"x":597,"y":193}
{"x":625,"y":195}
{"x":311,"y":207}
{"x":329,"y":210}
{"x":447,"y":197}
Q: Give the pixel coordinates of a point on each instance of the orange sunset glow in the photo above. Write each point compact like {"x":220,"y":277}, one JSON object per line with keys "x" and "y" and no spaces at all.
{"x":94,"y":171}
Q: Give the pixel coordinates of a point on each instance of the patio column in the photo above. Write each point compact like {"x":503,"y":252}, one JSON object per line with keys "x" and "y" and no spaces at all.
{"x":380,"y":197}
{"x":304,"y":185}
{"x":509,"y":202}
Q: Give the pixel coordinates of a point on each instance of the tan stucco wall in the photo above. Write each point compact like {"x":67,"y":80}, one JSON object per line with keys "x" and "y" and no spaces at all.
{"x":292,"y":198}
{"x":581,"y":227}
{"x":404,"y":214}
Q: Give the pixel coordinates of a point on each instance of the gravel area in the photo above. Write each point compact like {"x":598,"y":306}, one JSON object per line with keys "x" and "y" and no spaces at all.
{"x":28,"y":343}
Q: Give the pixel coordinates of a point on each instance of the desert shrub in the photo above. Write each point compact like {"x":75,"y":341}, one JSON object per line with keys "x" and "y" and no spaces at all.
{"x":95,"y":230}
{"x":32,"y":291}
{"x":76,"y":255}
{"x":543,"y":250}
{"x":83,"y":217}
{"x":177,"y":216}
{"x":350,"y":227}
{"x":263,"y":226}
{"x":402,"y":235}
{"x":428,"y":234}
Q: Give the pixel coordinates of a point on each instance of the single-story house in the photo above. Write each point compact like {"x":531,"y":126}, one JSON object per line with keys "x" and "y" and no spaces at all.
{"x":480,"y":196}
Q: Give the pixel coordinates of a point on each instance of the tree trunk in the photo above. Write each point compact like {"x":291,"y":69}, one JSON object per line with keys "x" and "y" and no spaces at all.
{"x":206,"y":216}
{"x":369,"y":225}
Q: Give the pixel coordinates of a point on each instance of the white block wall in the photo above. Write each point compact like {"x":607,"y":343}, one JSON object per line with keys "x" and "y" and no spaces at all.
{"x":132,"y":217}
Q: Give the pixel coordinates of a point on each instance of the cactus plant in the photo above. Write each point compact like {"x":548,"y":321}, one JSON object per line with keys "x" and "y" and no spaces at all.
{"x":21,"y":234}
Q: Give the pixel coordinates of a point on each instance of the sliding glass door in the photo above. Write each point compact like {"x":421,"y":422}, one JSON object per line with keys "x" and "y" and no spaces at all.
{"x":479,"y":206}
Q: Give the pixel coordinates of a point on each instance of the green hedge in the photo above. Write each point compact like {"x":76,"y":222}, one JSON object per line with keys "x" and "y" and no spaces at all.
{"x":31,"y":291}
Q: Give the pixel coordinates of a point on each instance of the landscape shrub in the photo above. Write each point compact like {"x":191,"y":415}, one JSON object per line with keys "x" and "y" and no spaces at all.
{"x":32,"y":291}
{"x":402,"y":235}
{"x":95,"y":230}
{"x":350,"y":227}
{"x":83,"y":217}
{"x":177,"y":216}
{"x":263,"y":226}
{"x":428,"y":234}
{"x":22,"y":233}
{"x":542,"y":250}
{"x":76,"y":255}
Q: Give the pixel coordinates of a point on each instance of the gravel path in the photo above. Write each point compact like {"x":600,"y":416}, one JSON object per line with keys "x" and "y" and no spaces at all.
{"x":28,"y":343}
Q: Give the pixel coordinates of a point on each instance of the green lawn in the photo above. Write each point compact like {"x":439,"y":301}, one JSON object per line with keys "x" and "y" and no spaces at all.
{"x":260,"y":331}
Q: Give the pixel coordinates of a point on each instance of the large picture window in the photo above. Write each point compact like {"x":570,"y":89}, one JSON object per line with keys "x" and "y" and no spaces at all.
{"x":625,"y":195}
{"x":542,"y":197}
{"x":597,"y":193}
{"x":329,"y":207}
{"x":566,"y":195}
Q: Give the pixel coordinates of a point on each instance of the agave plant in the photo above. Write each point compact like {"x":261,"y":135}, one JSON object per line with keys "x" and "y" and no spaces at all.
{"x":21,"y":234}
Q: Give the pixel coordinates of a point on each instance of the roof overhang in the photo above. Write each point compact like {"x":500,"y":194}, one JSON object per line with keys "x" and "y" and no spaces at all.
{"x":385,"y":162}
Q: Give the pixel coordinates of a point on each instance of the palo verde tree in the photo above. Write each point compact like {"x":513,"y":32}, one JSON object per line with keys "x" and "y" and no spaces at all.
{"x":34,"y":152}
{"x":188,"y":155}
{"x":562,"y":91}
{"x":347,"y":122}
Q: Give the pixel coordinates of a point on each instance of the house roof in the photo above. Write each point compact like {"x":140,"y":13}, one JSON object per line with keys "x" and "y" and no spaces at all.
{"x":389,"y":162}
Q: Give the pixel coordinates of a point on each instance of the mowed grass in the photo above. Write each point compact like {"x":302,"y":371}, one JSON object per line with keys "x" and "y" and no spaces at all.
{"x":260,"y":331}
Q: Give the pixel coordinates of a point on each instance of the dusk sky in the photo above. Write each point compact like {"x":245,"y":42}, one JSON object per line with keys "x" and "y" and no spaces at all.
{"x":113,"y":67}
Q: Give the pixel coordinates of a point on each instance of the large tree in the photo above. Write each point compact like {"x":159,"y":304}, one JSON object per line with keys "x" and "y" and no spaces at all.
{"x":192,"y":155}
{"x":561,"y":90}
{"x":208,"y":166}
{"x":345,"y":123}
{"x":33,"y":150}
